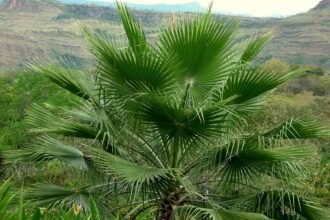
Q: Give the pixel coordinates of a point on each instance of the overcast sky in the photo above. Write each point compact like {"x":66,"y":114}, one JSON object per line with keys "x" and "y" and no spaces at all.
{"x":258,"y":8}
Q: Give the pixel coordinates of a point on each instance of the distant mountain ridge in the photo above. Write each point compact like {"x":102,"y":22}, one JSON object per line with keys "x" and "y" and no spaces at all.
{"x":34,"y":29}
{"x":322,"y":5}
{"x":191,"y":6}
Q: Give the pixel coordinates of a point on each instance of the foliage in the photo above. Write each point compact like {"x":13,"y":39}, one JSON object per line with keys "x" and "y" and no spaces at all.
{"x":315,"y":79}
{"x":164,"y":128}
{"x":277,"y":66}
{"x":18,"y":93}
{"x":10,"y":210}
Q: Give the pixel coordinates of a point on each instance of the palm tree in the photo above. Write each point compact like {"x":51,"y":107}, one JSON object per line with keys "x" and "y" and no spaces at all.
{"x":162,"y":126}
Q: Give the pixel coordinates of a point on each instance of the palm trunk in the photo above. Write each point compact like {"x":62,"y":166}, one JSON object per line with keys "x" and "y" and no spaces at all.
{"x":166,"y":211}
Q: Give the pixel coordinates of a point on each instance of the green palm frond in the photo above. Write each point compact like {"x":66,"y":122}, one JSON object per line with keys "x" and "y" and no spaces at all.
{"x":298,"y":129}
{"x":75,"y":81}
{"x":128,"y":76}
{"x":243,"y":163}
{"x":53,"y":196}
{"x":6,"y":198}
{"x":249,"y":82}
{"x":199,"y":50}
{"x":193,"y":212}
{"x":281,"y":204}
{"x":80,"y":121}
{"x":47,"y":149}
{"x":254,"y":47}
{"x":133,"y":174}
{"x":170,"y":120}
{"x":134,"y":31}
{"x":95,"y":214}
{"x":44,"y":120}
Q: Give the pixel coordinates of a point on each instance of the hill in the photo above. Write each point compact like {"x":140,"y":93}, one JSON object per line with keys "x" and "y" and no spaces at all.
{"x":190,"y":6}
{"x":34,"y":29}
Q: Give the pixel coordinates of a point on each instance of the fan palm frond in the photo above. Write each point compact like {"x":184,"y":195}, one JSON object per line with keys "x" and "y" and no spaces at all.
{"x":47,"y":149}
{"x":242,"y":163}
{"x":134,"y":31}
{"x":75,"y":81}
{"x":128,"y":76}
{"x":298,"y":129}
{"x":193,"y":212}
{"x":135,"y":175}
{"x":199,"y":50}
{"x":53,"y":196}
{"x":250,"y":82}
{"x":282,"y":204}
{"x":254,"y":47}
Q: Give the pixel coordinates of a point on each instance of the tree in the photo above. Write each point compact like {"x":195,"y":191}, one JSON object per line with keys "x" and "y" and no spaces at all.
{"x":162,"y":127}
{"x":277,"y":66}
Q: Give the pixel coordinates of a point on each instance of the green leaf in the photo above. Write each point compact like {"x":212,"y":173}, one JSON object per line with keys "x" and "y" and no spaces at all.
{"x":169,"y":119}
{"x":243,"y":163}
{"x":200,"y":52}
{"x":58,"y":197}
{"x":193,"y":212}
{"x":75,"y":81}
{"x":21,"y":208}
{"x":6,"y":198}
{"x":50,"y":149}
{"x":298,"y":129}
{"x":36,"y":214}
{"x":254,"y":47}
{"x":281,"y":203}
{"x":135,"y":175}
{"x":248,"y":83}
{"x":94,"y":211}
{"x":44,"y":120}
{"x":128,"y":76}
{"x":134,"y":31}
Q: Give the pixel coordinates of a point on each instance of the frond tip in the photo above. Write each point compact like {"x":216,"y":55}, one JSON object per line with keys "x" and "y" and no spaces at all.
{"x":254,"y":47}
{"x":299,"y":129}
{"x":134,"y":31}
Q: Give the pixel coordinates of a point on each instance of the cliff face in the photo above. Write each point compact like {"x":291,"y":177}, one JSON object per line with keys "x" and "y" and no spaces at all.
{"x":324,"y":4}
{"x":27,"y":5}
{"x":15,"y":4}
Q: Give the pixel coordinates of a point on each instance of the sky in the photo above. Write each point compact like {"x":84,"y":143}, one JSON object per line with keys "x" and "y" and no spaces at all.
{"x":258,"y":8}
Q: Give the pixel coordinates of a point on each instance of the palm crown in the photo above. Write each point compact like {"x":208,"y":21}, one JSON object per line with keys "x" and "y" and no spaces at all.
{"x":163,"y":122}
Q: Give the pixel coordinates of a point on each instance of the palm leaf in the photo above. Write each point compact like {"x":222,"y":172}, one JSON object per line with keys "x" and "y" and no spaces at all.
{"x":193,"y":212}
{"x":44,"y":120}
{"x":53,"y":196}
{"x":137,"y":176}
{"x":134,"y":31}
{"x":84,"y":121}
{"x":128,"y":76}
{"x":281,"y":204}
{"x":298,"y":129}
{"x":254,"y":47}
{"x":75,"y":81}
{"x":248,"y":83}
{"x":47,"y":149}
{"x":242,"y":163}
{"x":6,"y":198}
{"x":199,"y":50}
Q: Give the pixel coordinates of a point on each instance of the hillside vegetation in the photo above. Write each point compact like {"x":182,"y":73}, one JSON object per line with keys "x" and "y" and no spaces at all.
{"x":34,"y":29}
